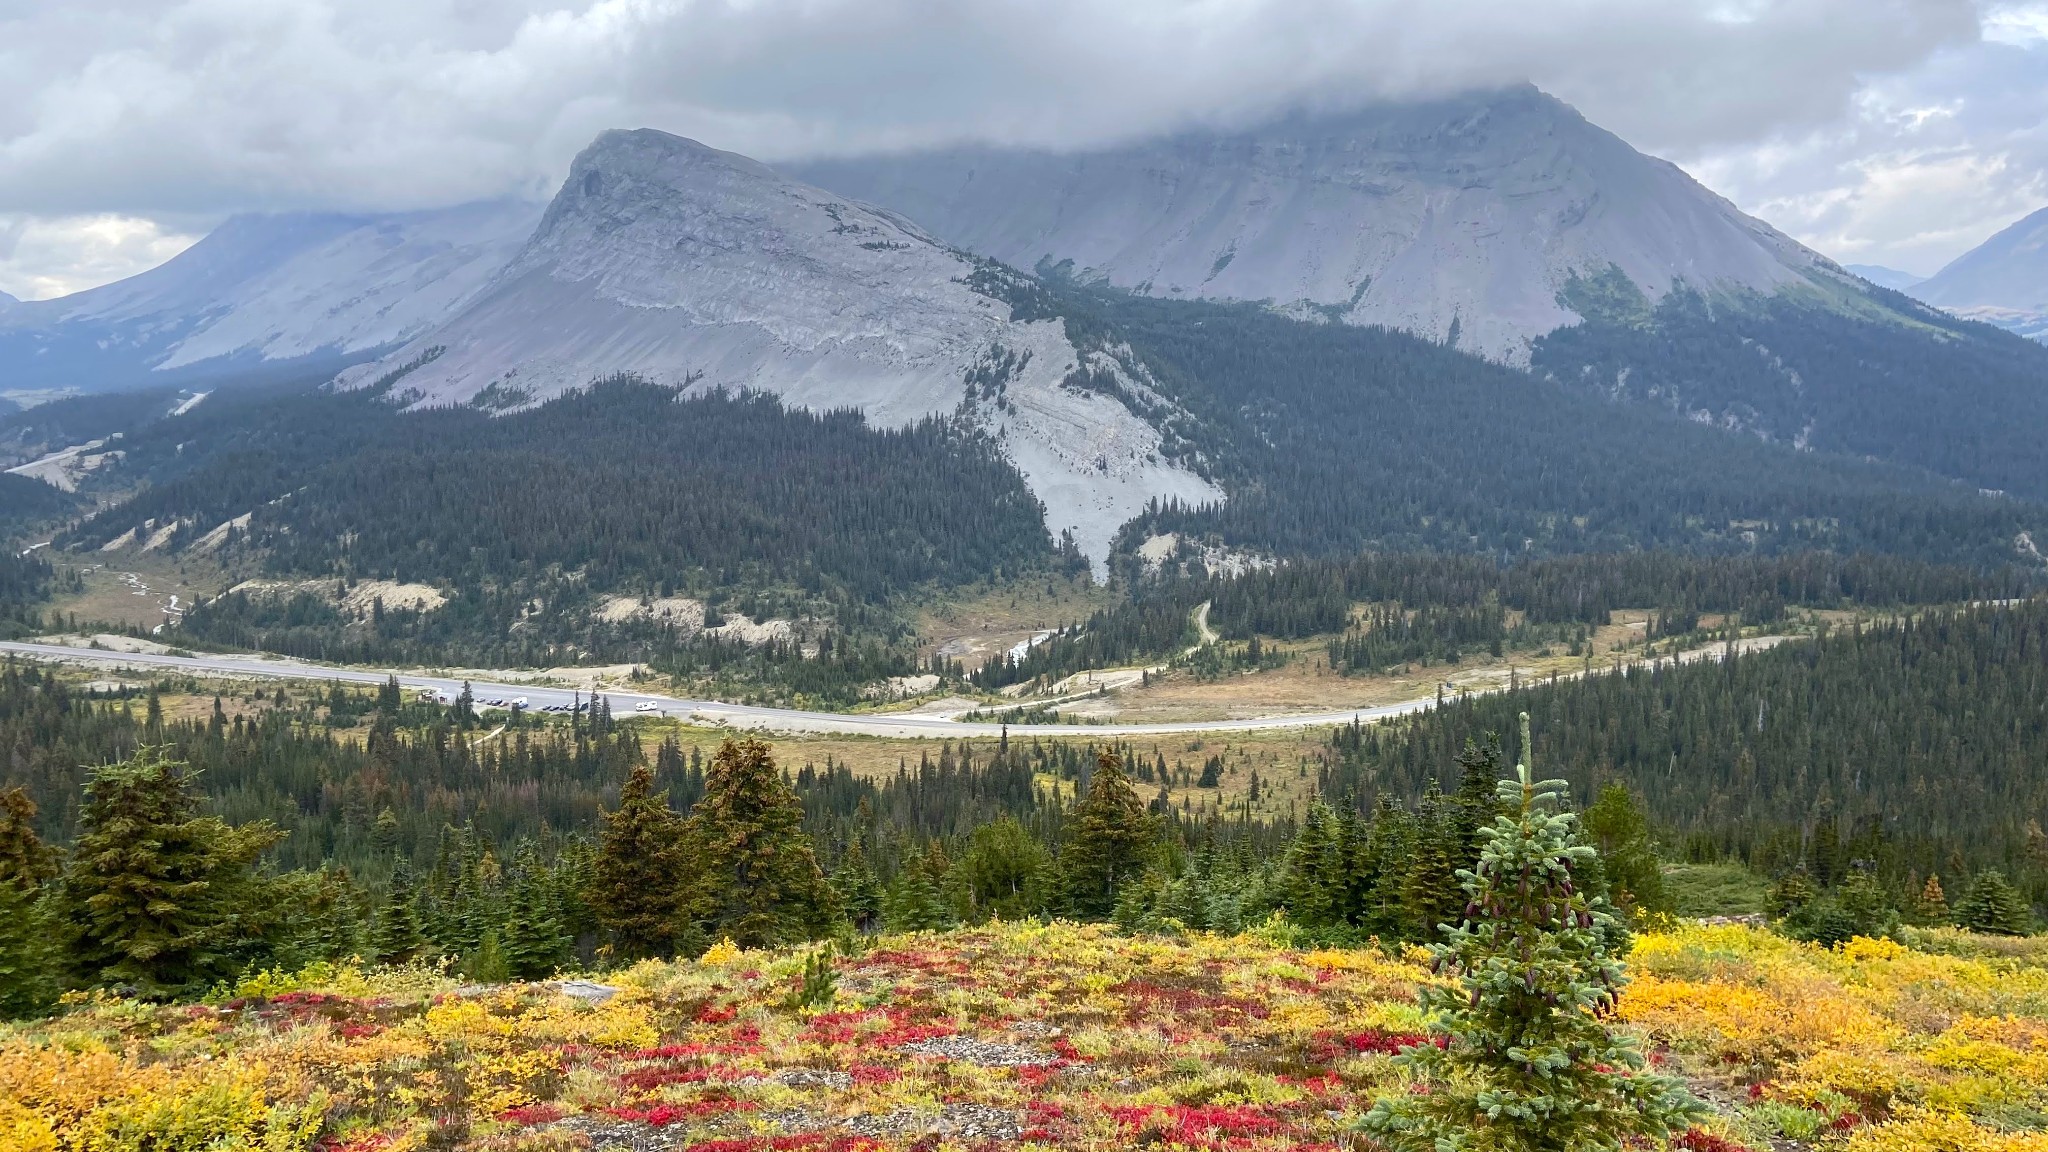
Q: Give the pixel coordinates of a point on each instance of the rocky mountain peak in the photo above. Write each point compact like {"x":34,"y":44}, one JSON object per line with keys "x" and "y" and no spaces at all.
{"x":1455,"y":218}
{"x":700,"y":269}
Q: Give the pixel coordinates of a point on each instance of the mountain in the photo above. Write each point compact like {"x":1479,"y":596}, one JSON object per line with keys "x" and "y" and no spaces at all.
{"x":2003,"y":281}
{"x":690,"y":267}
{"x":1503,"y":223}
{"x":1459,"y":219}
{"x":1884,"y":277}
{"x":264,"y":290}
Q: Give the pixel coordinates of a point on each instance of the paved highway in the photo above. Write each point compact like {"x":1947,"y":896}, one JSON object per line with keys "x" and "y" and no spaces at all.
{"x":539,"y":698}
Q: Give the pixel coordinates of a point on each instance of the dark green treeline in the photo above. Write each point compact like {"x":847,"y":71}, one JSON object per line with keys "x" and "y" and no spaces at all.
{"x":1915,"y":747}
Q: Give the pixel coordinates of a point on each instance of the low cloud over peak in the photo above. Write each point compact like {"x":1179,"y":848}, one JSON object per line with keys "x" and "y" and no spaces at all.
{"x":203,"y":107}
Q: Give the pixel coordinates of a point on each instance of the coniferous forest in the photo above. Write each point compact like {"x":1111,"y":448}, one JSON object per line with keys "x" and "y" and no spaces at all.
{"x":1853,"y":770}
{"x":1904,"y":750}
{"x":1793,"y":368}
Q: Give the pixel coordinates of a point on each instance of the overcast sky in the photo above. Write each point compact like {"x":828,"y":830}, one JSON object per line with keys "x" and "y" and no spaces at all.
{"x":1897,"y":132}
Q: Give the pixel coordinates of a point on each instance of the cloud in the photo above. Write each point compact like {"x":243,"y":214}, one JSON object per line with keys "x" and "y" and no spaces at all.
{"x":206,"y":105}
{"x":1924,"y":165}
{"x":41,"y":257}
{"x":152,"y":107}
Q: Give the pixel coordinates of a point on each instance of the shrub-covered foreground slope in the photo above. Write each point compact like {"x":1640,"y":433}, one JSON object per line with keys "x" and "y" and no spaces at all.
{"x":1016,"y":1037}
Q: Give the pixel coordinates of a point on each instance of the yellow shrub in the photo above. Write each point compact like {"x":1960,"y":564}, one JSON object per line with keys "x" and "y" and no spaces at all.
{"x":1873,"y":1080}
{"x":23,"y":1131}
{"x":1932,"y":1131}
{"x":219,"y":1109}
{"x":507,"y":1080}
{"x":64,"y":1086}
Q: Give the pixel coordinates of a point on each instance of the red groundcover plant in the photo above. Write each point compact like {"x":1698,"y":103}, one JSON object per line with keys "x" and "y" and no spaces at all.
{"x":1530,"y":1063}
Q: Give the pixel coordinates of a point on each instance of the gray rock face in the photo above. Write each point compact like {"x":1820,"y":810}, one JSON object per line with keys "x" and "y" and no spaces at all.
{"x":1470,"y":212}
{"x":702,"y":269}
{"x":2003,"y":281}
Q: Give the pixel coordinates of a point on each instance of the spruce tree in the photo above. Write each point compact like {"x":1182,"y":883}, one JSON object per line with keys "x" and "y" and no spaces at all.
{"x":1993,"y":905}
{"x":1110,"y":841}
{"x":25,"y":861}
{"x":1352,"y":853}
{"x":1433,"y":892}
{"x":1619,"y":830}
{"x":914,"y":902}
{"x":637,"y":880}
{"x":754,"y":878}
{"x":161,"y":898}
{"x":535,"y":942}
{"x":384,"y":833}
{"x":28,"y":958}
{"x":860,"y":893}
{"x":487,"y":964}
{"x":396,"y":937}
{"x":1311,"y":883}
{"x":1390,"y":847}
{"x":1528,"y":1062}
{"x":1002,"y":873}
{"x":1791,"y":895}
{"x":327,"y":917}
{"x":1476,"y":802}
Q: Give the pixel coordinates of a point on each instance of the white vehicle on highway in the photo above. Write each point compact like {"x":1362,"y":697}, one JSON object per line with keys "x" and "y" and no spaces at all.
{"x":647,"y":706}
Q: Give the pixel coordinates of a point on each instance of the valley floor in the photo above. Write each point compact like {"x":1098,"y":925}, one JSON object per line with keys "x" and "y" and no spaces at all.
{"x":1017,"y":1036}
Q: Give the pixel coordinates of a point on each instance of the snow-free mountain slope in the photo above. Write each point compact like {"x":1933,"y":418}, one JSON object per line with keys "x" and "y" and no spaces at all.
{"x":1464,"y":215}
{"x":267,"y":288}
{"x":2010,"y":270}
{"x":692,"y":267}
{"x":2003,"y":281}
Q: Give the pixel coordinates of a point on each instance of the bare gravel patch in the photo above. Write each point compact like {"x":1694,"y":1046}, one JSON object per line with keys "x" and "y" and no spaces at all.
{"x":986,"y":1053}
{"x":966,"y":1121}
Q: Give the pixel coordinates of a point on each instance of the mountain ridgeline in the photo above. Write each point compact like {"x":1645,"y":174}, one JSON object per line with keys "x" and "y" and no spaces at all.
{"x":698,"y":377}
{"x":1456,"y":219}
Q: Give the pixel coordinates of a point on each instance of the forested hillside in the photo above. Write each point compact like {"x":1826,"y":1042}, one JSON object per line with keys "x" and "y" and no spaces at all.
{"x":1912,"y":385}
{"x":27,"y":503}
{"x":1332,"y":439}
{"x":622,"y":483}
{"x":24,"y":581}
{"x":1918,"y":747}
{"x":1864,"y":764}
{"x":528,"y":521}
